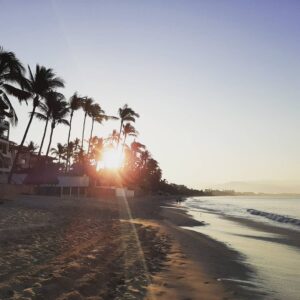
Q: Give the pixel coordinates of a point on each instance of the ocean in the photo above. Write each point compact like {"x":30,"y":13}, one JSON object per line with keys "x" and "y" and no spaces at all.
{"x":265,"y":230}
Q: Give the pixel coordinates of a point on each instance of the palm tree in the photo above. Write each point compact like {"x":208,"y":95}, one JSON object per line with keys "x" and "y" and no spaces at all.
{"x":75,"y":103}
{"x":132,"y":154}
{"x":31,"y":148}
{"x":11,"y":71}
{"x":59,"y":151}
{"x":97,"y":146}
{"x":128,"y":130}
{"x":113,"y":137}
{"x":137,"y":147}
{"x":126,"y":114}
{"x":72,"y":149}
{"x":36,"y":88}
{"x":76,"y":144}
{"x":145,"y":156}
{"x":98,"y":115}
{"x":59,"y":113}
{"x":87,"y":105}
{"x":46,"y":110}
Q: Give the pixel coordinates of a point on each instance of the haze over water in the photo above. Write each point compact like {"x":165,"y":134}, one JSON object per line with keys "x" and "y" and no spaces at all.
{"x":273,"y":254}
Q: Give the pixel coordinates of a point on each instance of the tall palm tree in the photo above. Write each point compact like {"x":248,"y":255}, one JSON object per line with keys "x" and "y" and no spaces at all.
{"x":87,"y":106}
{"x":128,"y":130}
{"x":46,"y":110}
{"x":36,"y":88}
{"x":98,"y":115}
{"x":59,"y":113}
{"x":126,"y":114}
{"x":11,"y":72}
{"x":75,"y":103}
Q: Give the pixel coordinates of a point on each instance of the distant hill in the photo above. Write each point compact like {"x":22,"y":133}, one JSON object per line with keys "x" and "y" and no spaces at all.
{"x":267,"y":186}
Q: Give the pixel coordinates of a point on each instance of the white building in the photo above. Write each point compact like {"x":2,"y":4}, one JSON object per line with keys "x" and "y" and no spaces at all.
{"x":5,"y":154}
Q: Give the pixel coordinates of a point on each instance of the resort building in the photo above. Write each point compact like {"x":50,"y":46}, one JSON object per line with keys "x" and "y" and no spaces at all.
{"x":5,"y":154}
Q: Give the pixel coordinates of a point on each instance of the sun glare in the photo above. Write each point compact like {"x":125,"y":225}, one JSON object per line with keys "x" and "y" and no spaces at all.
{"x":112,"y":159}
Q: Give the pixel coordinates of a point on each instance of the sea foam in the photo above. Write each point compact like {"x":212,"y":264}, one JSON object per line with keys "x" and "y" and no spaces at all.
{"x":274,"y":217}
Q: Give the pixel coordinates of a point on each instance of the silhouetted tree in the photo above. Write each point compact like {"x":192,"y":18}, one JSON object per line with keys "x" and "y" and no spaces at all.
{"x":36,"y":87}
{"x":126,"y":114}
{"x":11,"y":72}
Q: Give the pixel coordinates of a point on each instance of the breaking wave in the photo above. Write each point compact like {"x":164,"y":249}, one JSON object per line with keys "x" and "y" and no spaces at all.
{"x":275,"y":217}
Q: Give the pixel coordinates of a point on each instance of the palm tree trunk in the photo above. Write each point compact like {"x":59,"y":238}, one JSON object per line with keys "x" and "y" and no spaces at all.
{"x":23,"y":141}
{"x":91,"y":135}
{"x":69,"y":135}
{"x":50,"y":140}
{"x":42,"y":143}
{"x":120,"y":134}
{"x":83,"y":128}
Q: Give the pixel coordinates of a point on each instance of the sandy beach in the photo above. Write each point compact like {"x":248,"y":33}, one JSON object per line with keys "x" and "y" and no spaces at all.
{"x":54,"y":248}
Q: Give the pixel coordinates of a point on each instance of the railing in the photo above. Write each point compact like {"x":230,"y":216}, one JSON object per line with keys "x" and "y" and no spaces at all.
{"x":4,"y":136}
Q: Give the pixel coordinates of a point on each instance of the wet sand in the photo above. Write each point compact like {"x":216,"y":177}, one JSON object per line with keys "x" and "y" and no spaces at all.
{"x":285,"y":236}
{"x":53,"y":248}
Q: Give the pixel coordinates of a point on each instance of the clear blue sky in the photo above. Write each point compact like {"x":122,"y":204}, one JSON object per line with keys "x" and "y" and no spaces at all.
{"x":217,"y":83}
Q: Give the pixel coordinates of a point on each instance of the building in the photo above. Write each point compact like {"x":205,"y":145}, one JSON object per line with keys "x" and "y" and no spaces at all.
{"x":5,"y":154}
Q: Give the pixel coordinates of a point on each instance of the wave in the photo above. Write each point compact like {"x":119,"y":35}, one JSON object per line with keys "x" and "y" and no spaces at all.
{"x":275,"y":217}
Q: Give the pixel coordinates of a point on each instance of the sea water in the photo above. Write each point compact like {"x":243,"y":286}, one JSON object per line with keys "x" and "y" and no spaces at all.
{"x":276,"y":264}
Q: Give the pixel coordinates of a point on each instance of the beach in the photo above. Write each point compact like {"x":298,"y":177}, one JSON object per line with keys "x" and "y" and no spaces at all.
{"x":268,"y":240}
{"x":88,"y":248}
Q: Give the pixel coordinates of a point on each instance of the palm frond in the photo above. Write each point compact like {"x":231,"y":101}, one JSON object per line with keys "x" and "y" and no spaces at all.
{"x":11,"y":114}
{"x":40,"y":116}
{"x":64,"y":122}
{"x":16,"y":92}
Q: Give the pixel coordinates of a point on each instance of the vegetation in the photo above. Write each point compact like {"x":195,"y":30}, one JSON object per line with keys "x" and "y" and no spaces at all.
{"x":103,"y":160}
{"x":34,"y":88}
{"x":11,"y":72}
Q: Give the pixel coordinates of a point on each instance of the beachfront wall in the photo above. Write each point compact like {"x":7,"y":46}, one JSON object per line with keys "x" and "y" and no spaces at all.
{"x":123,"y":192}
{"x":11,"y":191}
{"x":73,"y":181}
{"x":102,"y":191}
{"x":69,"y":186}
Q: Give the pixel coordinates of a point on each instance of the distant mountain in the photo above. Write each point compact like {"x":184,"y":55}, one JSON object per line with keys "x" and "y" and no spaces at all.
{"x":266,"y":186}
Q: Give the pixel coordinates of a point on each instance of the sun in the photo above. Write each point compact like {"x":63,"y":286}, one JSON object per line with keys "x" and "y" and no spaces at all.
{"x":111,"y":159}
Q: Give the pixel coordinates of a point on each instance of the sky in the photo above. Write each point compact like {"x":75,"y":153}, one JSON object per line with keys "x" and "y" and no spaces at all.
{"x":216,"y":83}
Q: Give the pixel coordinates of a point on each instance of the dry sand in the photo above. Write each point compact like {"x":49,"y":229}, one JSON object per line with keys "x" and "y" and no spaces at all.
{"x":53,"y":248}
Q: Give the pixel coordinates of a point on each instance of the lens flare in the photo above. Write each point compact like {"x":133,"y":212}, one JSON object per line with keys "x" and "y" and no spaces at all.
{"x":111,"y":159}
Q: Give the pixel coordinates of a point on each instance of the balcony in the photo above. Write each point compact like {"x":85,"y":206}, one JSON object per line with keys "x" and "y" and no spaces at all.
{"x":4,"y":124}
{"x":4,"y":129}
{"x":4,"y":135}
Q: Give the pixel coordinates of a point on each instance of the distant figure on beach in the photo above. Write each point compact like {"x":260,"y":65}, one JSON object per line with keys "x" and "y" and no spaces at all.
{"x":178,"y":200}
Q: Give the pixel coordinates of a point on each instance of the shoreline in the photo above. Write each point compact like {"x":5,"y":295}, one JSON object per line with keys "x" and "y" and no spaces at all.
{"x":286,"y":236}
{"x":272,"y":251}
{"x":221,"y":263}
{"x":66,"y":246}
{"x":216,"y":261}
